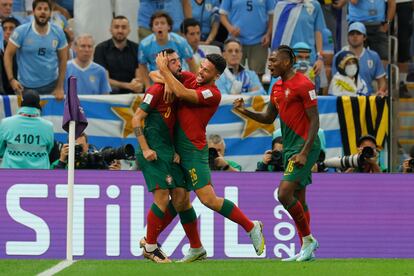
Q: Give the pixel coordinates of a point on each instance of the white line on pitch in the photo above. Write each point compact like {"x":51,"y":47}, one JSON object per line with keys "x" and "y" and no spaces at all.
{"x":57,"y":268}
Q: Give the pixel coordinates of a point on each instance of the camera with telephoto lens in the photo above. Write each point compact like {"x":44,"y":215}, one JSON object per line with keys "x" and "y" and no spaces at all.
{"x":276,"y":160}
{"x":212,"y":155}
{"x":350,"y":161}
{"x":101,"y":159}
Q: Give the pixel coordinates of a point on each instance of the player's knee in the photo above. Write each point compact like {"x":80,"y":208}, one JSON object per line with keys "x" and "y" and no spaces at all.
{"x":283,"y":197}
{"x":209,"y":202}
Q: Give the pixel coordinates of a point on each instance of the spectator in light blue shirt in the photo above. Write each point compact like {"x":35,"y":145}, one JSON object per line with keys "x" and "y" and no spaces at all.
{"x":162,"y":38}
{"x":7,"y":10}
{"x":206,"y":12}
{"x":177,"y":9}
{"x":237,"y":80}
{"x":251,"y":23}
{"x":41,"y":50}
{"x":92,"y":78}
{"x":370,"y":66}
{"x":376,"y":15}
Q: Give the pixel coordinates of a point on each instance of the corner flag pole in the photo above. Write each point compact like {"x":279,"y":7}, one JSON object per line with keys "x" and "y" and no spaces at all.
{"x":71,"y":180}
{"x":74,"y":122}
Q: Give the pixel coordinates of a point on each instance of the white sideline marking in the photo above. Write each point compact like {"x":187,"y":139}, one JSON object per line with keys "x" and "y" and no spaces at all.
{"x":57,"y":268}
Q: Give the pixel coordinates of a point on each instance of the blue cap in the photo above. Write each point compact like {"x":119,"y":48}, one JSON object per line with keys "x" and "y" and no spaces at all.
{"x":301,"y":47}
{"x":359,"y":27}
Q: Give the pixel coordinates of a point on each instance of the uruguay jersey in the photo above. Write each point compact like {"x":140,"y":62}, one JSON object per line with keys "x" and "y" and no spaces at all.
{"x":370,"y":67}
{"x":37,"y":55}
{"x":91,"y":80}
{"x":173,"y":7}
{"x":367,"y":11}
{"x":241,"y":13}
{"x":149,"y":48}
{"x":206,"y":13}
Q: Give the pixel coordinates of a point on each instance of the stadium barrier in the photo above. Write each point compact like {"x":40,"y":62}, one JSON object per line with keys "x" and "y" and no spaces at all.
{"x":352,"y":216}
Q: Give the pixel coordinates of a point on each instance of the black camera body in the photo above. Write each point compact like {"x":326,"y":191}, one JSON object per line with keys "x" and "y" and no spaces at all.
{"x":101,"y":159}
{"x":212,"y":155}
{"x":276,"y":160}
{"x":411,"y":163}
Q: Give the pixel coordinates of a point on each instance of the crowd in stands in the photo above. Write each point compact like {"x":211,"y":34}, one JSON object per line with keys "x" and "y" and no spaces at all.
{"x":340,"y":45}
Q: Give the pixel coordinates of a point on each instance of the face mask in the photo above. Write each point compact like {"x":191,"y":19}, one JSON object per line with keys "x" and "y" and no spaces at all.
{"x":351,"y":70}
{"x":302,"y":65}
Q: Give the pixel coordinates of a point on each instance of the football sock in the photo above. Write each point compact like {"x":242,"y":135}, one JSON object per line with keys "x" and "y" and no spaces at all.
{"x":188,"y":219}
{"x":307,"y":216}
{"x":233,"y":213}
{"x":154,"y":223}
{"x":169,"y":215}
{"x":295,"y":209}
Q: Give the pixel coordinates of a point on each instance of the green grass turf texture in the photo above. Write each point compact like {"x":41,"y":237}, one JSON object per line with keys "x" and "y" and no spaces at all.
{"x":218,"y":267}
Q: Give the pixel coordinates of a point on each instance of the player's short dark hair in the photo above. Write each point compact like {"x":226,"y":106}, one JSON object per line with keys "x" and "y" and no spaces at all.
{"x":188,"y":22}
{"x":229,"y":40}
{"x":289,"y":51}
{"x":119,"y":17}
{"x":218,"y":61}
{"x":159,"y":14}
{"x":10,"y":20}
{"x":168,"y":51}
{"x":37,"y":2}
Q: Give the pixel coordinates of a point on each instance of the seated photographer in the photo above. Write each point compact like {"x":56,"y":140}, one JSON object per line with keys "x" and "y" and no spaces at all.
{"x":83,"y":154}
{"x":216,"y":149}
{"x":272,"y":159}
{"x":367,"y":156}
{"x":408,"y":164}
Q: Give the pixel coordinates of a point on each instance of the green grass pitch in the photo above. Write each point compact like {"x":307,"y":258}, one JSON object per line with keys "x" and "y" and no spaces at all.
{"x":249,"y":267}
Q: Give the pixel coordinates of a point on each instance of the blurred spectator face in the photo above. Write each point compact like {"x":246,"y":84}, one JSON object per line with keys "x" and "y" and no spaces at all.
{"x":277,"y":147}
{"x":351,"y":68}
{"x":82,"y":141}
{"x":356,"y":39}
{"x":8,"y":29}
{"x":302,"y":61}
{"x":42,"y":14}
{"x":219,"y":147}
{"x":120,"y":30}
{"x":174,"y":64}
{"x":160,"y":27}
{"x":6,"y":8}
{"x":233,"y":54}
{"x":84,"y":49}
{"x":367,"y":143}
{"x":193,"y":36}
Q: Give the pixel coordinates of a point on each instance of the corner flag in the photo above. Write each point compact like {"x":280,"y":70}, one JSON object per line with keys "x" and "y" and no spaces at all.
{"x":73,"y":111}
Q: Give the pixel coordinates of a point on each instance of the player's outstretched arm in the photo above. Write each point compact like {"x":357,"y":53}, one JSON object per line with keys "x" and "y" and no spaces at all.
{"x":137,"y":126}
{"x":266,"y":117}
{"x":179,"y":90}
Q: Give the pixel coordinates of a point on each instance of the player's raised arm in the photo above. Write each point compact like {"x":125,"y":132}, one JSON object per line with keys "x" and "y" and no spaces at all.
{"x":189,"y":95}
{"x":266,"y":117}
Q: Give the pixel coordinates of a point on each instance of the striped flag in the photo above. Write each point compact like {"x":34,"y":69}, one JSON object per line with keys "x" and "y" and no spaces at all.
{"x":360,"y":116}
{"x":109,"y":119}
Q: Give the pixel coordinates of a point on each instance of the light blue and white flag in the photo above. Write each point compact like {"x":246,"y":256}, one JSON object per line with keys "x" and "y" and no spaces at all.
{"x":109,"y":119}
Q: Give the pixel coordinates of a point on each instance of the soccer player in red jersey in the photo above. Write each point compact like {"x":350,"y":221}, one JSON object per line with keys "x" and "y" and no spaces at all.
{"x":294,"y":99}
{"x":158,"y":161}
{"x":197,"y":104}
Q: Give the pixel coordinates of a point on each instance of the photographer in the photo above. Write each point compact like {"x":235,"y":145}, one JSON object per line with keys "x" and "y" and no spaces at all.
{"x":82,"y":148}
{"x":408,"y":164}
{"x":272,"y":159}
{"x":368,"y":164}
{"x":216,"y":148}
